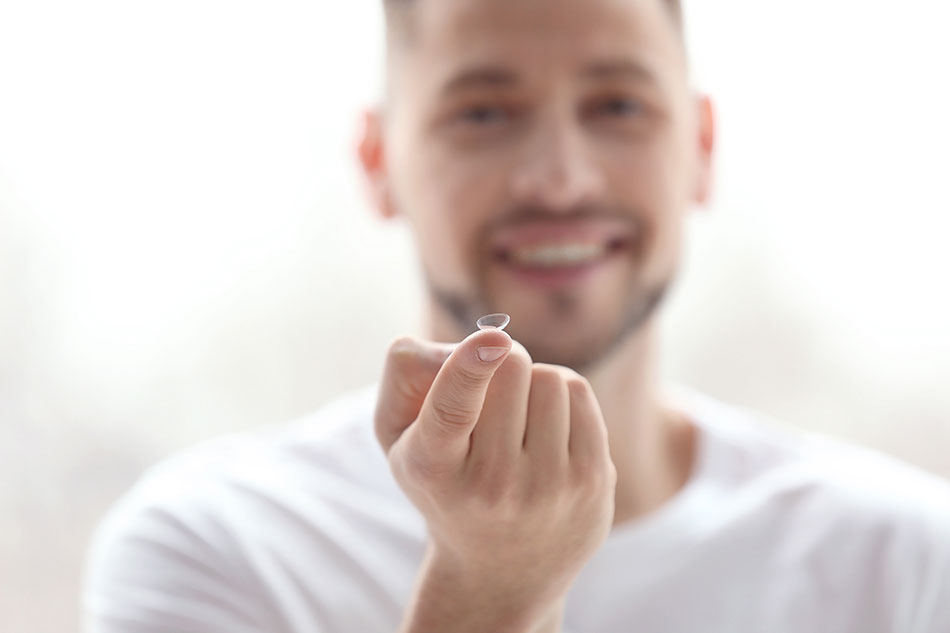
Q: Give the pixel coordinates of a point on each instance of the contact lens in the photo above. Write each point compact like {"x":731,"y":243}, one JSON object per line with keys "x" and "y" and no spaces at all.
{"x":497,"y":321}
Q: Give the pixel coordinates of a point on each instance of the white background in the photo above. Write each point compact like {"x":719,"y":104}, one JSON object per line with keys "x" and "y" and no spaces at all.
{"x":185,"y":248}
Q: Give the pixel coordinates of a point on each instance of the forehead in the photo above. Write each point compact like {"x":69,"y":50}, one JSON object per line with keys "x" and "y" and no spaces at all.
{"x":447,"y":37}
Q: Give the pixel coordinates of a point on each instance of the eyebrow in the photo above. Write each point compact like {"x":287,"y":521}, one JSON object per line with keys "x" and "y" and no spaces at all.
{"x":619,"y":68}
{"x":499,"y":77}
{"x":480,"y":76}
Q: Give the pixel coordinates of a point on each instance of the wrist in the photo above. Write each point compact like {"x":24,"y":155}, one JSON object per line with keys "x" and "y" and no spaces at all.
{"x":480,"y":599}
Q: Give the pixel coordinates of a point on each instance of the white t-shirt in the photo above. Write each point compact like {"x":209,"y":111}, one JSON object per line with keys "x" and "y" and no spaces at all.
{"x":300,"y":528}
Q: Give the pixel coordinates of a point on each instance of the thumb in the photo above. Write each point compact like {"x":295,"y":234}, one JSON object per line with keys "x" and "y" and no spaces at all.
{"x":454,"y":402}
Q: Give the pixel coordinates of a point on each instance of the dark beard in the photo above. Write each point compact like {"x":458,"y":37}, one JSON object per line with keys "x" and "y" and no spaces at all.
{"x":464,"y":311}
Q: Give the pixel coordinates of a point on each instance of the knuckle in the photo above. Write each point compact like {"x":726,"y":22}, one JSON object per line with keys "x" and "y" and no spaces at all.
{"x":465,"y":377}
{"x":494,"y":489}
{"x":577,"y":384}
{"x":421,"y":470}
{"x":519,"y":353}
{"x":401,"y":345}
{"x":448,"y":413}
{"x":423,"y":473}
{"x":546,"y":377}
{"x":518,"y":360}
{"x":402,"y":352}
{"x":612,"y":475}
{"x":546,"y":368}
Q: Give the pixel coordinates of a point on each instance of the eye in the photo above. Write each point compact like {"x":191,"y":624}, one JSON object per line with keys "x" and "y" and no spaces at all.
{"x":482,"y":115}
{"x":620,"y":107}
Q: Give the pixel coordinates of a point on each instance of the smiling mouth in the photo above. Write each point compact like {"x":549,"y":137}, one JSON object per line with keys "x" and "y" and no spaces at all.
{"x":554,"y":266}
{"x":558,"y":255}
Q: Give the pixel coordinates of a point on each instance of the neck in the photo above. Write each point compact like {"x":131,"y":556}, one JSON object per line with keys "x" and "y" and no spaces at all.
{"x":652,"y":444}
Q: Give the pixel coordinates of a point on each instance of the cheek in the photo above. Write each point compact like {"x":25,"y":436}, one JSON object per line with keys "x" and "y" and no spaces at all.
{"x":652,"y":170}
{"x":650,"y":180}
{"x":449,"y":200}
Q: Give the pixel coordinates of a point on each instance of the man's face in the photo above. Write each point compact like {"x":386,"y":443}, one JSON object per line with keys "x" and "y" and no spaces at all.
{"x":544,"y":153}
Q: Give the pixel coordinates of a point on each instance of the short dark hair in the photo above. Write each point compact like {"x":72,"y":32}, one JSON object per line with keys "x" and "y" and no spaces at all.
{"x":675,"y":6}
{"x":400,"y":27}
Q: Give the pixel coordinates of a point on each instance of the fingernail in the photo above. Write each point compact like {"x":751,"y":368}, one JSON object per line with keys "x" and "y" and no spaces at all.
{"x":490,"y":354}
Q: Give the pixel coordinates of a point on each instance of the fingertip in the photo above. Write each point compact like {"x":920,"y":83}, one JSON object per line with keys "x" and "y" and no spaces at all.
{"x":488,"y":338}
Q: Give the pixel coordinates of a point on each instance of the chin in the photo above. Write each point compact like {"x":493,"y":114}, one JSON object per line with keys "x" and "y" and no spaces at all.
{"x":578,"y":351}
{"x":583,"y":338}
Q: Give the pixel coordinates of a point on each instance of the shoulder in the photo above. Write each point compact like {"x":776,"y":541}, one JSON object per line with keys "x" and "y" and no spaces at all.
{"x":335,"y":441}
{"x":748,"y":448}
{"x":761,"y":464}
{"x":857,"y":481}
{"x":851,"y":516}
{"x":194,"y":528}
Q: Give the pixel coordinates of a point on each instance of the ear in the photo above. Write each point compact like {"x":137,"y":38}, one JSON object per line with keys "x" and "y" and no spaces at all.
{"x":706,"y":137}
{"x":373,"y":160}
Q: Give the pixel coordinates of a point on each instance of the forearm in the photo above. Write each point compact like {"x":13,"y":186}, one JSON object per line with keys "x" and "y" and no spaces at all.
{"x":449,"y":599}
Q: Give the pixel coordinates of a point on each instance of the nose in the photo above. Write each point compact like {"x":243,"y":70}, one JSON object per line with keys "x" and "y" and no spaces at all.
{"x":557,"y":171}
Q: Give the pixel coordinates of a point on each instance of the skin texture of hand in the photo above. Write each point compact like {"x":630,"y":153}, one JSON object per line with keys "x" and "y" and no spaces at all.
{"x":509,"y":464}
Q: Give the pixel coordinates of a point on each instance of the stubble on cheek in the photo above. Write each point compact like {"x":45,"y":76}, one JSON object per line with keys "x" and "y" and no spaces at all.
{"x":464,"y":302}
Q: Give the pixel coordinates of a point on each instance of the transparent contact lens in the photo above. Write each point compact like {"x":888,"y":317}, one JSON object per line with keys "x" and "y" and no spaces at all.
{"x":498,"y":321}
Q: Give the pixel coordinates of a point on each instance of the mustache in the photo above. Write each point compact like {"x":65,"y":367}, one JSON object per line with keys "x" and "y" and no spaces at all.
{"x":626,"y":220}
{"x":528,"y":213}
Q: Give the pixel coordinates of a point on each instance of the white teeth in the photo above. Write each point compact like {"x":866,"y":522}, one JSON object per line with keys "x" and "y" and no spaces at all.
{"x":563,"y":255}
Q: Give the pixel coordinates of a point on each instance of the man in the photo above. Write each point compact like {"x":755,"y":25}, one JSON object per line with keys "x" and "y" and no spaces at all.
{"x":544,"y":153}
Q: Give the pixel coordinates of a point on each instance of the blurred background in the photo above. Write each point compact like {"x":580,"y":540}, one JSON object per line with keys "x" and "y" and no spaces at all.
{"x":186,"y":249}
